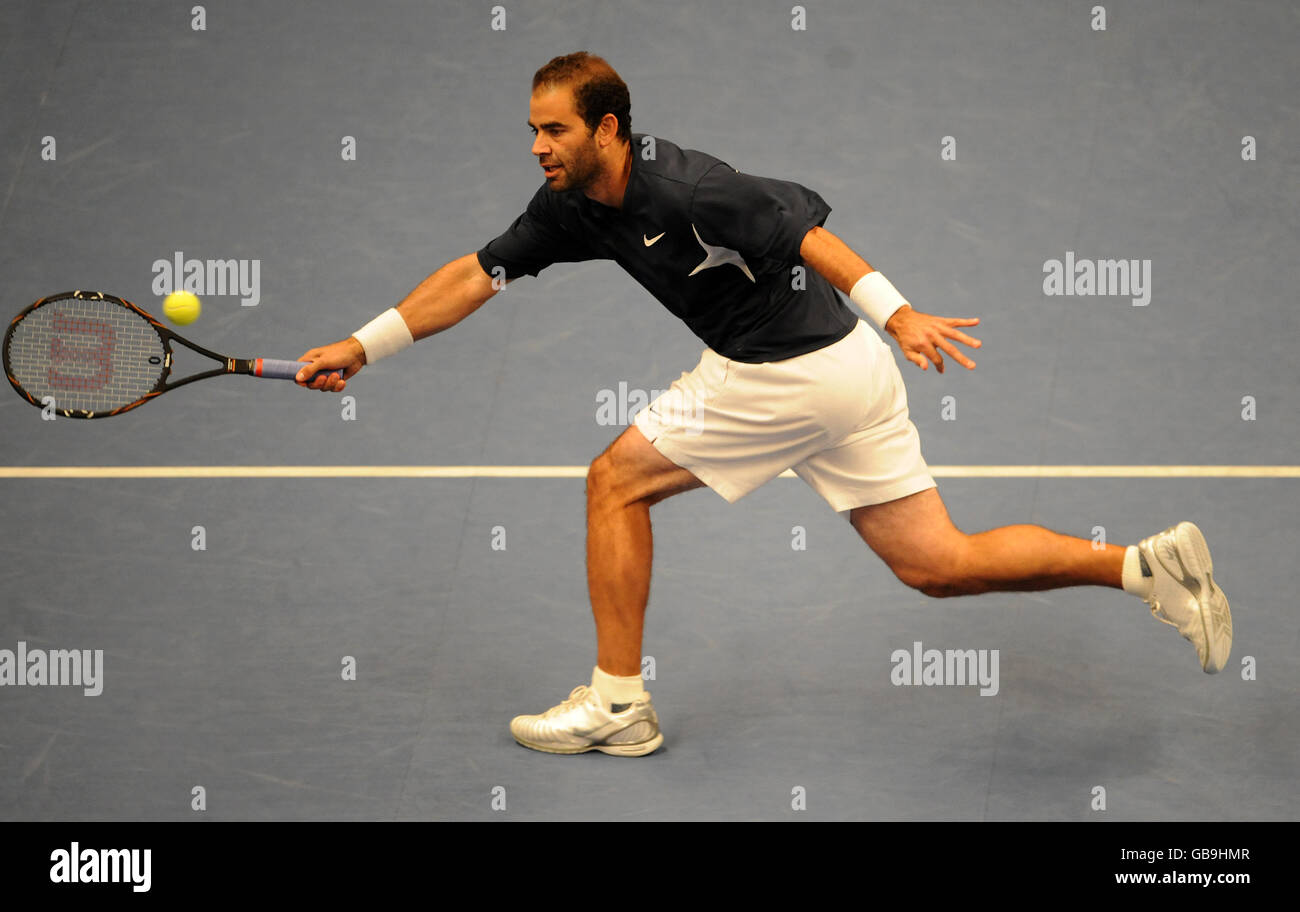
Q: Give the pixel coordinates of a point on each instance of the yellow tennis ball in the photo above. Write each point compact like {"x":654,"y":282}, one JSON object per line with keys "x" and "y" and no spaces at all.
{"x":182,"y":307}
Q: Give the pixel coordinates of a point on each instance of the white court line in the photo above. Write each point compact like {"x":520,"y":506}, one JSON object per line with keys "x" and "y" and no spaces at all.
{"x":580,"y":471}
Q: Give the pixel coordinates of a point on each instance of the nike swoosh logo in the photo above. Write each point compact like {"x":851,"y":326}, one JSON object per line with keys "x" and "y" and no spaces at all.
{"x":651,"y":241}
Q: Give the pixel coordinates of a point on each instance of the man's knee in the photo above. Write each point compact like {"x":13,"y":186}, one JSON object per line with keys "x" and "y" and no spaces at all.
{"x":939,"y":575}
{"x":941,"y":588}
{"x":601,"y":477}
{"x":631,"y":471}
{"x":613,"y":478}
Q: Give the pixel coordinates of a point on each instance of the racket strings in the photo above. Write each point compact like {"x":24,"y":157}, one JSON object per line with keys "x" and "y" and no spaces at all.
{"x":88,"y":355}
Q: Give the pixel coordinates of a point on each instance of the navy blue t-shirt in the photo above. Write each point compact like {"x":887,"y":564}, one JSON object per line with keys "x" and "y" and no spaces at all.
{"x":714,"y":246}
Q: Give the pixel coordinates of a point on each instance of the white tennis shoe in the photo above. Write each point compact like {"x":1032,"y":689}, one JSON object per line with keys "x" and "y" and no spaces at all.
{"x":582,"y":723}
{"x":1183,"y":592}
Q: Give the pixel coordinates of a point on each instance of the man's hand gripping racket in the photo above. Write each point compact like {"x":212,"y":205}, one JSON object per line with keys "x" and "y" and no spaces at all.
{"x":322,"y":366}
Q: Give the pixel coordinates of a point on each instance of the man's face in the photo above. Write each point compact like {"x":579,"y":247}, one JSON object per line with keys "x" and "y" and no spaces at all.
{"x":564,"y":146}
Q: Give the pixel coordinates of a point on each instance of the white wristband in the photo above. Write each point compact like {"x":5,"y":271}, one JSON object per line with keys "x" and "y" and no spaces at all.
{"x":877,"y":297}
{"x":385,"y":335}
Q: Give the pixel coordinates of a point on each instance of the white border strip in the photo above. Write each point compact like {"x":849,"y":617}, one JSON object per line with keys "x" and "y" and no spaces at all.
{"x":580,"y":471}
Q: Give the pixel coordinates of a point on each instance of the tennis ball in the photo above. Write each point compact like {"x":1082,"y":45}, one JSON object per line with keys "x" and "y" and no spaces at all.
{"x":182,"y":307}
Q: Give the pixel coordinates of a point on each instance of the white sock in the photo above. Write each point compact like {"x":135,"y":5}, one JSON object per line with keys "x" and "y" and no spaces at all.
{"x":614,"y":689}
{"x":1135,"y":582}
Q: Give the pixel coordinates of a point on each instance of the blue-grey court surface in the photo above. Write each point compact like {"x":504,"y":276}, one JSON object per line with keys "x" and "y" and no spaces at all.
{"x":963,"y":147}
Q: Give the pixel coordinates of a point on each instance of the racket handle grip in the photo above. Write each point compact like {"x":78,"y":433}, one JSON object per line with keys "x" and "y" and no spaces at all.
{"x":285,"y":370}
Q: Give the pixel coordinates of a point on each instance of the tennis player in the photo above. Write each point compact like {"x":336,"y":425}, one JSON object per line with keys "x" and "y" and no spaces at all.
{"x":791,"y":379}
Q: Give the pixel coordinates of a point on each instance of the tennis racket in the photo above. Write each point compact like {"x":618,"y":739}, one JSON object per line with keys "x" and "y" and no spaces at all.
{"x":94,"y":355}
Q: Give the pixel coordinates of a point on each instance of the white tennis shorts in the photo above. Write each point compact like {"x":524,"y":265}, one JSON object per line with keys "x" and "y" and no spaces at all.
{"x":837,"y":416}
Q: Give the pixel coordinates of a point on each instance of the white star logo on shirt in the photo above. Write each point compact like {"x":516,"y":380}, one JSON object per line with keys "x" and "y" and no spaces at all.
{"x":720,"y":256}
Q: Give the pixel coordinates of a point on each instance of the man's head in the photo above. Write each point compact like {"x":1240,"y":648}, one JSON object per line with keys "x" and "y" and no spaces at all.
{"x":580,"y":113}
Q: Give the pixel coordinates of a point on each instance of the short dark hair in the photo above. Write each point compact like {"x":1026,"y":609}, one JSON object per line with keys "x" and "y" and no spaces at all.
{"x":597,"y":89}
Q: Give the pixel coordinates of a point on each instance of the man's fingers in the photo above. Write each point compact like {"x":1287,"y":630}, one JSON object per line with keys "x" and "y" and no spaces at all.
{"x":926,"y":340}
{"x":957,"y":355}
{"x":933,"y":355}
{"x":328,"y":382}
{"x":918,"y":356}
{"x":333,"y":374}
{"x":965,"y":339}
{"x":307,"y":376}
{"x":305,"y":373}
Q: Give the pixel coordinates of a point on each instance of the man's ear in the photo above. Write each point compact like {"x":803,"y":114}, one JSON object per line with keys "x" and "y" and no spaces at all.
{"x":607,"y":131}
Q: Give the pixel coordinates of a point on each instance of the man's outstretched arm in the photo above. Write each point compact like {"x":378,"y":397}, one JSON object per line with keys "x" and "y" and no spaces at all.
{"x":919,"y":335}
{"x":439,"y":302}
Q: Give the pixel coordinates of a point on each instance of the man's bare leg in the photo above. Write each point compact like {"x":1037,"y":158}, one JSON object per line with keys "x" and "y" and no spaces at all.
{"x":622,"y":484}
{"x":916,"y":538}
